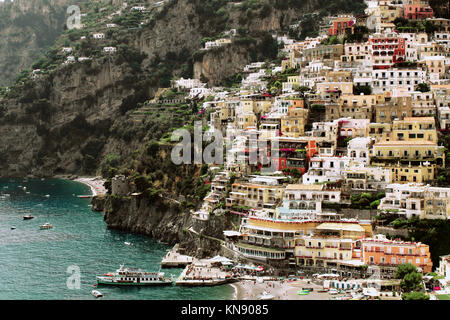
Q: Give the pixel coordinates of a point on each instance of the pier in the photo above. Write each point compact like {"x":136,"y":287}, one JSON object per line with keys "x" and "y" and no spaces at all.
{"x":195,"y":275}
{"x":173,"y":259}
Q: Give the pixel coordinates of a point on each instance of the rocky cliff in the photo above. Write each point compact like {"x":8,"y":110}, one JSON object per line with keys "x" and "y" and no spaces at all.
{"x":27,"y":29}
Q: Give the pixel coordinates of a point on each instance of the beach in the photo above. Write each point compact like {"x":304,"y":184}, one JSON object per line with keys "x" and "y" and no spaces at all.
{"x":95,"y":183}
{"x":281,"y":290}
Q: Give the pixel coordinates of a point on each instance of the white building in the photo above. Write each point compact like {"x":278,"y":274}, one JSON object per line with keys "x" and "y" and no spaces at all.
{"x":188,"y":83}
{"x":413,"y":199}
{"x":109,"y":49}
{"x":325,"y":169}
{"x":386,"y":80}
{"x":98,"y":36}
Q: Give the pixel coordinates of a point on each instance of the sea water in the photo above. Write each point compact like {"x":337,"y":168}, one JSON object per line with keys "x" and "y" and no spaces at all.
{"x":43,"y":264}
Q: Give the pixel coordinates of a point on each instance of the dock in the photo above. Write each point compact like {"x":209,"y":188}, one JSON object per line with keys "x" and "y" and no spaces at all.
{"x":173,"y":259}
{"x":195,"y":276}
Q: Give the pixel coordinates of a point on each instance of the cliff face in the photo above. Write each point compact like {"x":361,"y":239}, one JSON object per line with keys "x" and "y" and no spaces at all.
{"x":166,"y":221}
{"x":217,"y":65}
{"x":27,"y":29}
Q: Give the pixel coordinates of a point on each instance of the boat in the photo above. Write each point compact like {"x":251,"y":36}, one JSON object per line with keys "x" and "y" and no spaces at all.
{"x":303,"y":292}
{"x":96,"y":293}
{"x":46,"y":226}
{"x":13,"y":228}
{"x":266,"y":296}
{"x":84,"y":197}
{"x":128,"y":243}
{"x":28,"y":217}
{"x":47,"y":196}
{"x":134,"y":277}
{"x":333,"y":291}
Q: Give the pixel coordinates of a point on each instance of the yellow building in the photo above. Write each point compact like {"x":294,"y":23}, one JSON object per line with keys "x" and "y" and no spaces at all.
{"x":389,"y":13}
{"x":379,"y":131}
{"x":331,"y":242}
{"x":246,"y":120}
{"x":292,"y":82}
{"x":407,"y":150}
{"x":339,"y":76}
{"x":255,"y":195}
{"x":409,"y":173}
{"x":293,"y":124}
{"x":415,"y":129}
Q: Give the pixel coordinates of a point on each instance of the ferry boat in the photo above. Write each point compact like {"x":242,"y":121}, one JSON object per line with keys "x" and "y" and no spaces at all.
{"x":134,"y":277}
{"x":46,"y":226}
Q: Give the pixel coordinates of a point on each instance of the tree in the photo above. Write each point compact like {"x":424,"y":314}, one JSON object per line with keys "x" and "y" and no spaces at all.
{"x":423,"y":87}
{"x":411,"y":278}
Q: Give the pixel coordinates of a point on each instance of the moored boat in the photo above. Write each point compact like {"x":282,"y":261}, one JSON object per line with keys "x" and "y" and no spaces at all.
{"x":46,"y":226}
{"x":134,"y":277}
{"x":96,"y":293}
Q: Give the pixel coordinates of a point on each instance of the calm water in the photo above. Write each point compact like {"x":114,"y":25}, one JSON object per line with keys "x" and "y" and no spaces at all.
{"x":34,"y":262}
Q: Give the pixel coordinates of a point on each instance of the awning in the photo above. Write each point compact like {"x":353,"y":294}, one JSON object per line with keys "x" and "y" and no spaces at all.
{"x":231,"y":233}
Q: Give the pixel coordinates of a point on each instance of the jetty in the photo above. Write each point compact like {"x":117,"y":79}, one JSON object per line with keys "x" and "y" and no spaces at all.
{"x":195,"y":276}
{"x":173,"y":259}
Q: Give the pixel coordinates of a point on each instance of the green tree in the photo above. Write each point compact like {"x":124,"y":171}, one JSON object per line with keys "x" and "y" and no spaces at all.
{"x":411,"y":278}
{"x":415,"y":296}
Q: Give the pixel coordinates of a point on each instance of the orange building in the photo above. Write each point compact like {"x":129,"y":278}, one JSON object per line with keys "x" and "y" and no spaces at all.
{"x":383,"y":252}
{"x":418,"y":10}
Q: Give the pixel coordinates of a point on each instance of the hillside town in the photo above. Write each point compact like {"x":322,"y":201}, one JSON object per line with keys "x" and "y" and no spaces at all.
{"x":353,"y":118}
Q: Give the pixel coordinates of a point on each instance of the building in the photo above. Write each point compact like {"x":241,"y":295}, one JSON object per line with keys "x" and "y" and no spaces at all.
{"x":341,"y":26}
{"x":386,"y":253}
{"x":418,"y":200}
{"x":293,"y":124}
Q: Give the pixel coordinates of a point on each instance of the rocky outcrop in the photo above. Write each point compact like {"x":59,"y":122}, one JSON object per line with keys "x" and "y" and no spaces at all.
{"x":221,"y":63}
{"x":166,"y":221}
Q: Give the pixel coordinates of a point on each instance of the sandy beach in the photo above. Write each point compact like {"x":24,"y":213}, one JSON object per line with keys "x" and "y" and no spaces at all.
{"x":95,"y":183}
{"x":249,"y":290}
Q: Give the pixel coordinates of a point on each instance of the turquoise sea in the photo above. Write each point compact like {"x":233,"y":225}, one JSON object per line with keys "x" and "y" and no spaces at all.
{"x":34,"y":263}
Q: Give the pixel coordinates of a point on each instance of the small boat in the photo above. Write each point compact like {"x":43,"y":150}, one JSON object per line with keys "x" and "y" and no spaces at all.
{"x":84,"y":197}
{"x":13,"y":228}
{"x":333,"y":291}
{"x":266,"y":296}
{"x":47,"y":196}
{"x":46,"y":226}
{"x":128,"y":243}
{"x":303,"y":292}
{"x":96,"y":293}
{"x":28,"y":217}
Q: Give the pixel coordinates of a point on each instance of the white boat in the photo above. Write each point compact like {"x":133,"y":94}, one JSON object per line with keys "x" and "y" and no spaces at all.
{"x":13,"y":228}
{"x":47,"y":196}
{"x":46,"y":226}
{"x":266,"y":296}
{"x":128,"y":243}
{"x":96,"y":293}
{"x":134,"y":277}
{"x":332,"y":291}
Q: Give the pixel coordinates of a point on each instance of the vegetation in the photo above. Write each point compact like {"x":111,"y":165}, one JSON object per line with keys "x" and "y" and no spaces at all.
{"x":411,"y":278}
{"x":366,"y":200}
